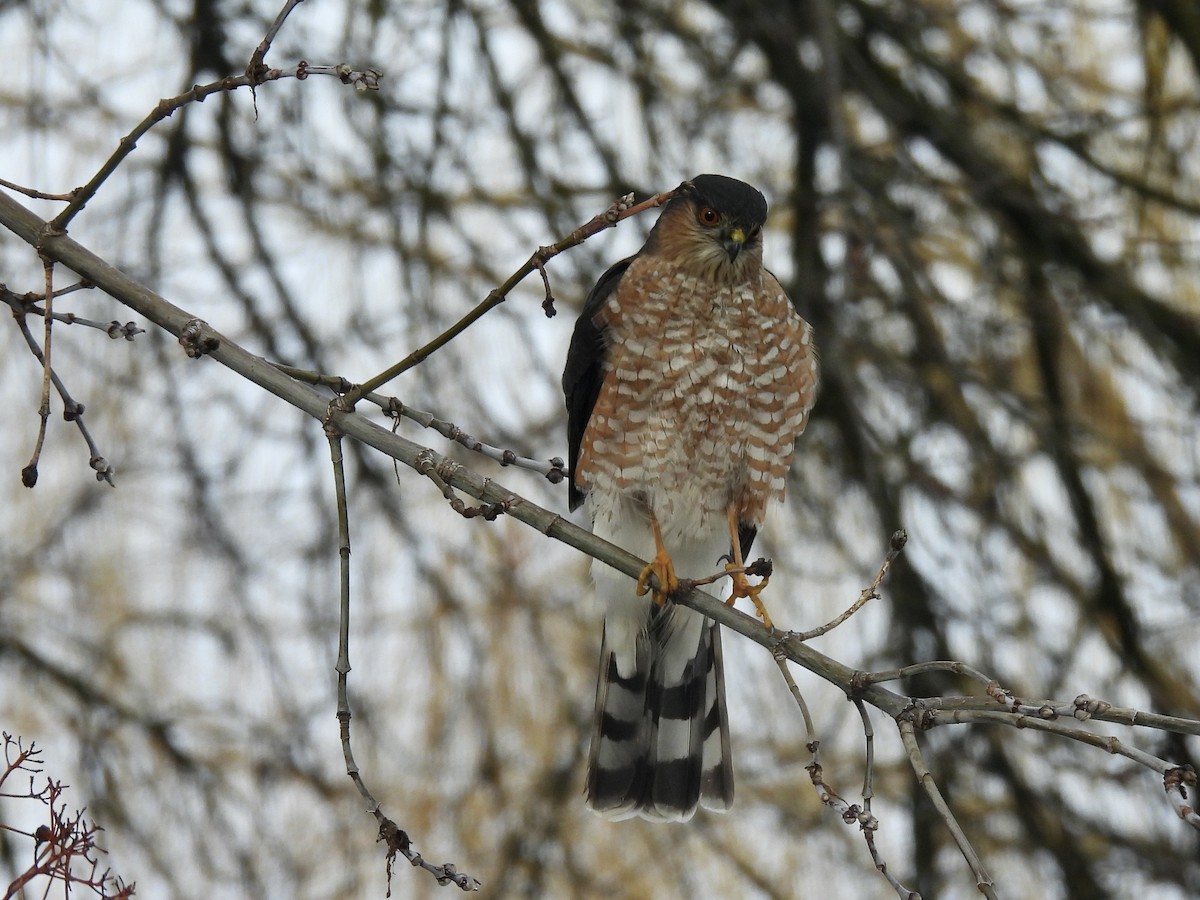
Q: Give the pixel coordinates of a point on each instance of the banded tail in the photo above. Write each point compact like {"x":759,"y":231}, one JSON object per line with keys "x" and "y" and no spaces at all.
{"x":660,"y":739}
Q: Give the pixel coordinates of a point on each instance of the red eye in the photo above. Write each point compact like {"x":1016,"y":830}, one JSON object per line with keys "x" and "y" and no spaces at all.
{"x":709,"y":216}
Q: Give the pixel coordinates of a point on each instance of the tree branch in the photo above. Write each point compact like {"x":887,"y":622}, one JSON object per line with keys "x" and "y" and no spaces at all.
{"x":617,"y":211}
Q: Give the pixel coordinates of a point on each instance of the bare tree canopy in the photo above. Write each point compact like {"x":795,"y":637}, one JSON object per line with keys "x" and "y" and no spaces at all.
{"x":351,"y":219}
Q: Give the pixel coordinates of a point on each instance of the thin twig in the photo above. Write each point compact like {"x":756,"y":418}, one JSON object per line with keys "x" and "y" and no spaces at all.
{"x":760,"y":568}
{"x":848,"y":812}
{"x":79,"y":197}
{"x":935,"y":665}
{"x":553,"y":470}
{"x":617,"y":211}
{"x":396,"y":838}
{"x":47,"y":329}
{"x":82,"y":285}
{"x":899,"y":539}
{"x":1085,"y":708}
{"x":25,"y":305}
{"x":256,"y":66}
{"x":1082,"y":708}
{"x":908,"y":735}
{"x":870,"y":823}
{"x":439,"y":472}
{"x":781,"y":660}
{"x":72,"y":412}
{"x":941,"y":716}
{"x":27,"y":302}
{"x":548,"y":303}
{"x":30,"y":192}
{"x":29,"y":475}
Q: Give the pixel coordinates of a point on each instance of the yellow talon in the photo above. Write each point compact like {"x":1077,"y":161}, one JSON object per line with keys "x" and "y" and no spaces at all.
{"x":743,"y":588}
{"x":662,"y":568}
{"x":741,"y":584}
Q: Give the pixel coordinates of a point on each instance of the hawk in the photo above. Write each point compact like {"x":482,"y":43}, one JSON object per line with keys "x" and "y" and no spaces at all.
{"x":689,"y":377}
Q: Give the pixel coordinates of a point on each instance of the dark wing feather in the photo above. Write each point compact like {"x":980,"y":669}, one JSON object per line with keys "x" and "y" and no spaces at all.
{"x":746,"y":535}
{"x":584,"y":372}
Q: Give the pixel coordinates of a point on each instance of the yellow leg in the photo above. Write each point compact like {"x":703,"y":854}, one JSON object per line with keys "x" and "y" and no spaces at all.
{"x":741,"y":584}
{"x":662,"y":568}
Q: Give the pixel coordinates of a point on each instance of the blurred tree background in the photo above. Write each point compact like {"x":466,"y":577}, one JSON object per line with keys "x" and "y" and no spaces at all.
{"x":987,"y":208}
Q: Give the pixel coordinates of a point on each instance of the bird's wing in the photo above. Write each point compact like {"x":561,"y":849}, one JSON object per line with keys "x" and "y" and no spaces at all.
{"x":746,"y":534}
{"x":584,"y":372}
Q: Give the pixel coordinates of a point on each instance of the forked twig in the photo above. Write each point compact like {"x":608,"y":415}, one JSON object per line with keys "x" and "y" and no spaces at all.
{"x":553,"y":470}
{"x":849,"y":813}
{"x":256,"y":73}
{"x":871,"y":824}
{"x":440,"y":473}
{"x":256,"y":66}
{"x":72,"y":410}
{"x":899,"y":539}
{"x":396,"y":838}
{"x":616,"y":212}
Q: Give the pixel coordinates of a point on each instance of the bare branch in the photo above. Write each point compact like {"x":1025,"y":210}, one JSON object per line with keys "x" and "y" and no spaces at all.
{"x":1107,"y":743}
{"x":548,"y":303}
{"x":616,"y":212}
{"x":554,"y":470}
{"x":926,"y":779}
{"x":899,"y":539}
{"x":397,"y":840}
{"x":30,"y":192}
{"x":26,"y":304}
{"x":256,"y":73}
{"x":64,"y":847}
{"x":72,"y":411}
{"x":256,"y":68}
{"x":848,"y":813}
{"x":937,"y":665}
{"x":438,"y":470}
{"x":29,"y":474}
{"x":870,"y":824}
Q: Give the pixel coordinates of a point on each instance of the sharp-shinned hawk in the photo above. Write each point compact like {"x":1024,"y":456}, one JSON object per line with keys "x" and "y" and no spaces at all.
{"x":689,"y":377}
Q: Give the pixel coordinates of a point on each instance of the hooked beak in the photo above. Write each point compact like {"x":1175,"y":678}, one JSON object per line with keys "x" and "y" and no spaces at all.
{"x":734,"y":242}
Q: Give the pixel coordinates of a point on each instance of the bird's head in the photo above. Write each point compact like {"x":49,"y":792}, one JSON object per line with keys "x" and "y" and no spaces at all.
{"x":713,"y":224}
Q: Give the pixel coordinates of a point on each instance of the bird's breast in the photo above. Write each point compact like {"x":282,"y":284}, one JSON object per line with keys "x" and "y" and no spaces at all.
{"x":706,"y":387}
